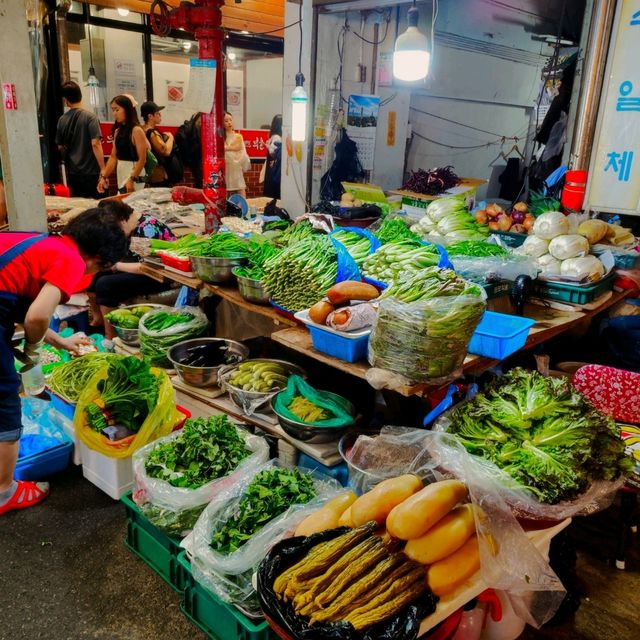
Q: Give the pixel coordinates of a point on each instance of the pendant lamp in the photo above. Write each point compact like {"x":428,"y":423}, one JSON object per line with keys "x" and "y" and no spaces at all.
{"x":412,"y":54}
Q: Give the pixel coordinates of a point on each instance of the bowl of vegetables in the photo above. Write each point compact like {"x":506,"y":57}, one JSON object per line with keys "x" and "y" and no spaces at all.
{"x":197,"y":362}
{"x":216,"y":270}
{"x":125,"y":321}
{"x":251,"y":290}
{"x":253,"y":382}
{"x":309,"y":412}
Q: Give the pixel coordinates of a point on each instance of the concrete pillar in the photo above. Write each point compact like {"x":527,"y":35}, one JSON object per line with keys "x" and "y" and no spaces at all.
{"x":19,"y":141}
{"x":295,"y":172}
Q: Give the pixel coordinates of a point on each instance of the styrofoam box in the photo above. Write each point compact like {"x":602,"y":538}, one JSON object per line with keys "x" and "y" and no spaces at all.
{"x":70,"y":432}
{"x":113,"y":475}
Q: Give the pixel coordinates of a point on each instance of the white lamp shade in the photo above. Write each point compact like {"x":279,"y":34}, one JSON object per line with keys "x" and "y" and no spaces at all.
{"x":411,"y":56}
{"x":299,"y":101}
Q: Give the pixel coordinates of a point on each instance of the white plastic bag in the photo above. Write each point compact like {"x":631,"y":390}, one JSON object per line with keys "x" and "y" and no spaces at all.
{"x":175,"y":510}
{"x":230,"y":575}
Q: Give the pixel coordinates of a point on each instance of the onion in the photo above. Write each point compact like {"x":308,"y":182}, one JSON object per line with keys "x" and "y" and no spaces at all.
{"x":504,"y":222}
{"x":517,"y":216}
{"x":481,"y":217}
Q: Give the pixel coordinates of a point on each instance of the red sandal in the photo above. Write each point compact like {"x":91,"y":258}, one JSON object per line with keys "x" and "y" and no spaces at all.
{"x":27,"y":494}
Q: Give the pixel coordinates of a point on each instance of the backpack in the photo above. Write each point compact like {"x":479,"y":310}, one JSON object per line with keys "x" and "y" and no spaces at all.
{"x":172,"y":164}
{"x":187,"y":139}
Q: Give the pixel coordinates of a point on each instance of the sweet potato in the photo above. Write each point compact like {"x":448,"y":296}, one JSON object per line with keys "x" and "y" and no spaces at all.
{"x":345,"y":292}
{"x":320,"y":311}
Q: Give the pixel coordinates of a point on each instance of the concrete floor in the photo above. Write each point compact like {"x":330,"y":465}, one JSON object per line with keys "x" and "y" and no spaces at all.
{"x":65,"y":574}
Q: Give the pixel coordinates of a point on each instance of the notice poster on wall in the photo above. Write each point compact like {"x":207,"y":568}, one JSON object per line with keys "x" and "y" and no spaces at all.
{"x":175,"y":92}
{"x":235,"y":105}
{"x":202,"y":84}
{"x":362,"y":122}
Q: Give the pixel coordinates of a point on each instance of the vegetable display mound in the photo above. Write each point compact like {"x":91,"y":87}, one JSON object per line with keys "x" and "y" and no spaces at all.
{"x":432,"y":182}
{"x":450,"y":217}
{"x":400,"y":259}
{"x":295,"y":233}
{"x":259,"y":253}
{"x":425,"y":324}
{"x":268,"y":496}
{"x":181,"y":247}
{"x":395,"y":230}
{"x":541,"y":432}
{"x":358,"y":246}
{"x":299,"y":277}
{"x":221,"y":245}
{"x":128,"y":394}
{"x":476,"y":249}
{"x":68,"y":380}
{"x":206,"y":449}
{"x":127,"y":318}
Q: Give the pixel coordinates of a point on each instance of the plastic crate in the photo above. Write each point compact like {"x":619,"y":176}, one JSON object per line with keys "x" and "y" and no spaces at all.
{"x":497,"y":289}
{"x":499,"y":335}
{"x":571,"y":293}
{"x":63,"y":406}
{"x":622,"y":259}
{"x":343,"y":348}
{"x":175,"y":262}
{"x":510,"y":238}
{"x":39,"y":466}
{"x":154,"y":547}
{"x":217,"y":619}
{"x":113,"y":475}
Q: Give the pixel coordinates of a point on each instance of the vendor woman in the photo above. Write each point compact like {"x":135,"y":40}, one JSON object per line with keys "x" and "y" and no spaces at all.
{"x":125,"y":280}
{"x":36,"y":274}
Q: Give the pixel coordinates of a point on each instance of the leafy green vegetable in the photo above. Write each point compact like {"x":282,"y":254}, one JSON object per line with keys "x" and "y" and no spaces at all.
{"x":358,"y":246}
{"x":206,"y":449}
{"x":543,"y":433}
{"x":395,"y":230}
{"x":269,"y":495}
{"x":259,"y":252}
{"x":400,"y":260}
{"x":68,"y":380}
{"x":128,"y":394}
{"x":223,"y":244}
{"x":295,"y":233}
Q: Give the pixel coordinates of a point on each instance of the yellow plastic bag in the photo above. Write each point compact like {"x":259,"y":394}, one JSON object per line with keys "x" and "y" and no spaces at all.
{"x":159,"y":422}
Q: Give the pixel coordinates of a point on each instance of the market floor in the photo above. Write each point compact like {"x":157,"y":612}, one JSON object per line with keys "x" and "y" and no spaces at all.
{"x":65,"y":574}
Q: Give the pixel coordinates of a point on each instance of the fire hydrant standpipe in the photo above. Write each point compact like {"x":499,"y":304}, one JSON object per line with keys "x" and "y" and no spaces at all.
{"x":203,"y":18}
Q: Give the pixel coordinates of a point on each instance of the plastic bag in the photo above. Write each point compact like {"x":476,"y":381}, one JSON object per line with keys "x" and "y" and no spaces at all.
{"x":230,"y":576}
{"x":155,"y":344}
{"x":175,"y":510}
{"x":403,"y":626}
{"x":158,"y":423}
{"x":347,"y":267}
{"x":296,"y":386}
{"x":427,"y":339}
{"x":492,"y":268}
{"x":509,"y":560}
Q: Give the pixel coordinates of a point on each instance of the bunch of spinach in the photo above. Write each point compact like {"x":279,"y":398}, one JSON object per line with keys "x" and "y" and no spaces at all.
{"x":206,"y":449}
{"x":268,"y":495}
{"x":543,"y":433}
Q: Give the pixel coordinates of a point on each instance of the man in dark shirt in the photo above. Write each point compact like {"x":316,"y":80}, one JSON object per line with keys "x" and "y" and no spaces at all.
{"x":79,"y":141}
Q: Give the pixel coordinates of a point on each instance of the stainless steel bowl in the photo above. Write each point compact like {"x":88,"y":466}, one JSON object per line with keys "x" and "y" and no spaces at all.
{"x":251,"y":290}
{"x":312,"y":433}
{"x":202,"y":376}
{"x":215,"y":270}
{"x":130,"y":336}
{"x":258,"y":399}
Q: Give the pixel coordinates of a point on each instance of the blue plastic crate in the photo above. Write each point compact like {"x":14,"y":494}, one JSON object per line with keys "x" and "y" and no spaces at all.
{"x":341,"y":347}
{"x":39,"y":466}
{"x":499,"y":335}
{"x":65,"y":408}
{"x":340,"y":471}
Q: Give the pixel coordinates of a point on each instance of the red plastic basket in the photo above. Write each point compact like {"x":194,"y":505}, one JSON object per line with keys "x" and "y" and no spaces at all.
{"x":182,"y":264}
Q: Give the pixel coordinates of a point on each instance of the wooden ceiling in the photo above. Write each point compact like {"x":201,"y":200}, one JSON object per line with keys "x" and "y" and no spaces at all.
{"x":254,"y":16}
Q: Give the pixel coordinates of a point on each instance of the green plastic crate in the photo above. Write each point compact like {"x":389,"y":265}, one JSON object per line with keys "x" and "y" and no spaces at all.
{"x":572,"y":293}
{"x":217,"y":619}
{"x":153,"y":547}
{"x":511,"y":239}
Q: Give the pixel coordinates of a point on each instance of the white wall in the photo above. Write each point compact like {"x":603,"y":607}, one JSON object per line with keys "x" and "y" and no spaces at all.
{"x":264,"y":91}
{"x":166,"y":74}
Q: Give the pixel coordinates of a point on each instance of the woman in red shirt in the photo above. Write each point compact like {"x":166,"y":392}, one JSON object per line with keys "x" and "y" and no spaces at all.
{"x":37,"y":273}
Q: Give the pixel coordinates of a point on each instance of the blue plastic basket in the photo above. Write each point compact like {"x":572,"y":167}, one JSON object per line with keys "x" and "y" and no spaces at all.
{"x":499,"y":335}
{"x":44,"y":464}
{"x":65,"y":408}
{"x":341,"y":347}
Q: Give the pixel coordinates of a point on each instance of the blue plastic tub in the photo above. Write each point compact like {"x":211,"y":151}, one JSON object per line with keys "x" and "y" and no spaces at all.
{"x":65,"y":408}
{"x":499,"y":335}
{"x":339,"y":472}
{"x":341,"y":347}
{"x":40,"y":466}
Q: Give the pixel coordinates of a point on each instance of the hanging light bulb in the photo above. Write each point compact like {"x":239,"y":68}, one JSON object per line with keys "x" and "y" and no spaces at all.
{"x":299,"y":99}
{"x":411,"y":55}
{"x":94,"y":88}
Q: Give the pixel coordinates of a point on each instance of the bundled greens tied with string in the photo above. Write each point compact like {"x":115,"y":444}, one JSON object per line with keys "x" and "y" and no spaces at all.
{"x":425,"y":323}
{"x":300,"y":275}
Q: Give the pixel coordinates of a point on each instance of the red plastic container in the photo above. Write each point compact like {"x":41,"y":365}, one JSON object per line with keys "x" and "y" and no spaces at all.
{"x":182,"y":264}
{"x":574,"y":190}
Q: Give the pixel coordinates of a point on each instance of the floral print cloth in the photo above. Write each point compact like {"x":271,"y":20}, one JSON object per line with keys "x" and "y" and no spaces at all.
{"x":152,"y":228}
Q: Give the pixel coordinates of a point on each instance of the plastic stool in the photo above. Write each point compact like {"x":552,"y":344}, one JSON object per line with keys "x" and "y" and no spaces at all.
{"x":340,"y":471}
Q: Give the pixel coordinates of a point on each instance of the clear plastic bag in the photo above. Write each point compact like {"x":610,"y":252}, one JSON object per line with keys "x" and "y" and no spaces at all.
{"x":176,"y":509}
{"x":509,"y":559}
{"x":427,"y":339}
{"x":230,"y":576}
{"x":493,"y":268}
{"x":154,"y":344}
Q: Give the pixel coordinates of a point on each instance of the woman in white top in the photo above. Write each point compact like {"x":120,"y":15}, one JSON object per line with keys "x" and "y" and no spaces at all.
{"x":236,"y":159}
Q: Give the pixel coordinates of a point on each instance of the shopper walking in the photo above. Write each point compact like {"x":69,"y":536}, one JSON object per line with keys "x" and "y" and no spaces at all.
{"x":169,"y":170}
{"x":129,"y":150}
{"x":273,"y":163}
{"x":79,"y":140}
{"x":235,"y":157}
{"x":36,"y":274}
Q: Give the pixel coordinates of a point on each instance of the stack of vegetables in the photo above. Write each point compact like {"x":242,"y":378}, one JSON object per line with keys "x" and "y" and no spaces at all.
{"x":300,"y":275}
{"x":299,"y":231}
{"x":260,"y":250}
{"x":432,"y":182}
{"x":161,"y":329}
{"x":359,"y":577}
{"x":546,"y":437}
{"x":358,"y":246}
{"x":517,"y":220}
{"x":176,"y":475}
{"x":425,"y":323}
{"x":558,"y":252}
{"x":399,"y":260}
{"x":395,"y":230}
{"x":476,"y":249}
{"x":128,"y":394}
{"x":128,"y":318}
{"x":221,"y":245}
{"x":181,"y":248}
{"x":449,"y":218}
